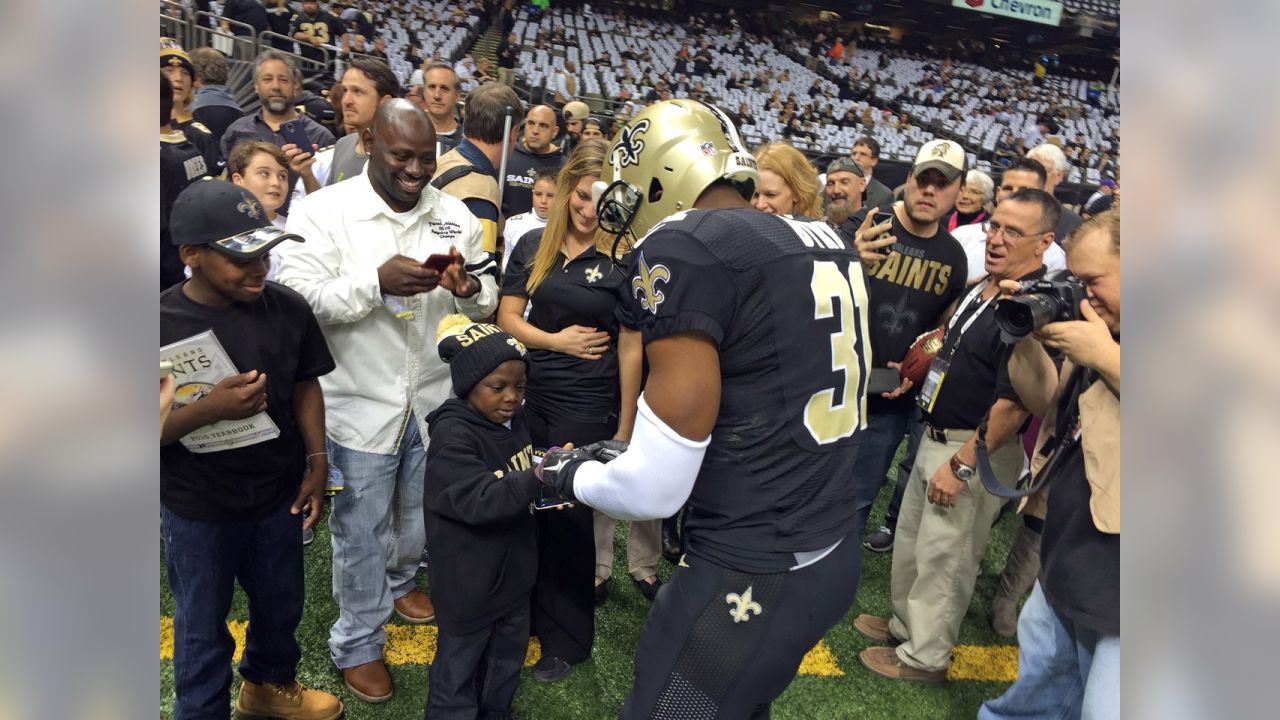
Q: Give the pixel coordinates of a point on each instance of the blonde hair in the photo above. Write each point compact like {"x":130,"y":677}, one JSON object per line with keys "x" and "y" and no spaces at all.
{"x":586,"y":160}
{"x":1104,"y":222}
{"x":793,"y":167}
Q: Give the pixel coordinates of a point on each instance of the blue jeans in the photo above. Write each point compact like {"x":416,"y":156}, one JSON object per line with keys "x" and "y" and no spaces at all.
{"x":916,"y":431}
{"x":476,"y":675}
{"x":879,"y":441}
{"x":1065,"y":671}
{"x":378,"y":533}
{"x":203,"y":561}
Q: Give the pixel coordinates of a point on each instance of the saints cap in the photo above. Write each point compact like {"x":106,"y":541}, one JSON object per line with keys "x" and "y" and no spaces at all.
{"x":946,"y":156}
{"x":226,"y":216}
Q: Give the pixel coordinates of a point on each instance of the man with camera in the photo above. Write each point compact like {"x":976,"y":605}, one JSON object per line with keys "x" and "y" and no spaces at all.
{"x":1069,"y":630}
{"x":940,"y":543}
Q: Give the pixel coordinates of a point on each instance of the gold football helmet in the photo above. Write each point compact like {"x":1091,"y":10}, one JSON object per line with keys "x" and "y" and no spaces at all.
{"x":663,"y":159}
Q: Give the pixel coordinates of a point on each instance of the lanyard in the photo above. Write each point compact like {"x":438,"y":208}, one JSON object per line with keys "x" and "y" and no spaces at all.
{"x":968,"y":300}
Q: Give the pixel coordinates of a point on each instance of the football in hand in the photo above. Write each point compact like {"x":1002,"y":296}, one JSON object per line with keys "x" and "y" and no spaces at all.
{"x":915,"y":365}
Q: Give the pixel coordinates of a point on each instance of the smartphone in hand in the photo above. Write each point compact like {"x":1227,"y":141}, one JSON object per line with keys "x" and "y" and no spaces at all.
{"x":881,"y":217}
{"x":883,"y":380}
{"x":439,"y":263}
{"x":294,"y":133}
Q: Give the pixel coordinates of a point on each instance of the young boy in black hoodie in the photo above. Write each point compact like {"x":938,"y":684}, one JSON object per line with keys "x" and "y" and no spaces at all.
{"x":479,"y":486}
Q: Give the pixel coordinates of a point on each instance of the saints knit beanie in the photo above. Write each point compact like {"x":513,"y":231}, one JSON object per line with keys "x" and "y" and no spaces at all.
{"x":472,"y":350}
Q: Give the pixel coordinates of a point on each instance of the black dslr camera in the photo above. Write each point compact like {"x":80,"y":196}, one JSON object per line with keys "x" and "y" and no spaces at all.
{"x":1038,"y":303}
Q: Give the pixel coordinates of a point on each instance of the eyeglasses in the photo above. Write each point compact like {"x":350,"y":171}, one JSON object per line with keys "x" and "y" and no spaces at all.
{"x":995,"y":228}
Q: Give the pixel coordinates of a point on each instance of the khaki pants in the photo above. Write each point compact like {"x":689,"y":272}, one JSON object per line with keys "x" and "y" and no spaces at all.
{"x":506,"y":76}
{"x":937,"y":552}
{"x":643,"y":547}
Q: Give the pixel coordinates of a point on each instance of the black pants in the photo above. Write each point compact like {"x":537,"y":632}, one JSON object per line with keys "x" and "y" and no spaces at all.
{"x":563,"y":610}
{"x":475,"y":675}
{"x":707,"y":653}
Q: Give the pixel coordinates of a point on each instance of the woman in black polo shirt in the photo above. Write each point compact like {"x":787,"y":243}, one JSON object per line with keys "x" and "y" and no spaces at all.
{"x":584,"y":379}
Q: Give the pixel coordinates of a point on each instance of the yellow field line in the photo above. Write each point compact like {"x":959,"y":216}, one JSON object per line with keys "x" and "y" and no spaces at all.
{"x":990,"y":663}
{"x":416,"y":645}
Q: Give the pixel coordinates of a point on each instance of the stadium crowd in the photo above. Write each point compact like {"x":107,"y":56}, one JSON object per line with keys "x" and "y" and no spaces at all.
{"x":392,"y":270}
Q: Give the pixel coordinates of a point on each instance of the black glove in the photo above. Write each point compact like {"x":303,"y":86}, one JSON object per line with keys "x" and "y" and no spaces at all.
{"x":606,"y":451}
{"x":557,"y":469}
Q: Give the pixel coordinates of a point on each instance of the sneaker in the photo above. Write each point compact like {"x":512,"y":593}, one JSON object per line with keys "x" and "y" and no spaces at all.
{"x":308,"y":535}
{"x":286,"y":702}
{"x":880,"y":540}
{"x":550,"y":669}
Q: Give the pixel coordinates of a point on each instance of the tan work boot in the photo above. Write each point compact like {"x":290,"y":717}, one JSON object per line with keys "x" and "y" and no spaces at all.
{"x":1016,"y":580}
{"x":285,"y":702}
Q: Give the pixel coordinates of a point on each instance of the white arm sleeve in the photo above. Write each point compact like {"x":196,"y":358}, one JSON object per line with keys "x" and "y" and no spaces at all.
{"x":651,"y":480}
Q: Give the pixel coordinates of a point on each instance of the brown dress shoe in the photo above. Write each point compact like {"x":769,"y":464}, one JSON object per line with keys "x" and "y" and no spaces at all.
{"x":371,"y":682}
{"x":876,"y":628}
{"x":286,"y":702}
{"x":884,"y":661}
{"x":415,"y":607}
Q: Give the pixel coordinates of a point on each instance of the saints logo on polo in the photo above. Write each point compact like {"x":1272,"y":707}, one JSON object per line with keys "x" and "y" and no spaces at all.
{"x":627,"y":151}
{"x":593,"y":273}
{"x":250,"y":207}
{"x":645,"y":284}
{"x":743,"y":606}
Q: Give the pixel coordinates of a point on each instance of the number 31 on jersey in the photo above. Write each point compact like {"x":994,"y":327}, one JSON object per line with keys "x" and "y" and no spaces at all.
{"x":829,"y":417}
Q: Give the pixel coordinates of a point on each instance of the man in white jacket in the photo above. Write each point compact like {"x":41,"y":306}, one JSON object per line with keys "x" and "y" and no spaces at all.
{"x":362,"y":271}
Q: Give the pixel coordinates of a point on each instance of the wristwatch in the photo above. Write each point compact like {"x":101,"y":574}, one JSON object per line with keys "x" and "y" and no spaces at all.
{"x":960,"y":470}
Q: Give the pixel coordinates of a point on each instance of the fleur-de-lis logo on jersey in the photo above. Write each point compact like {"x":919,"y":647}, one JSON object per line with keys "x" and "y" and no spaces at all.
{"x":897,"y":316}
{"x":627,"y":151}
{"x":645,"y":285}
{"x":250,"y":207}
{"x":594,"y":274}
{"x":743,"y":606}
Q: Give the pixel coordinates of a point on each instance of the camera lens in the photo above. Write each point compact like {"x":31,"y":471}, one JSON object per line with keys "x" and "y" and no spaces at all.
{"x":1018,"y":317}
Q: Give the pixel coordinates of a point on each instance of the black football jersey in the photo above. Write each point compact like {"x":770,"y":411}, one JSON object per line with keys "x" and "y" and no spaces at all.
{"x":785,"y":301}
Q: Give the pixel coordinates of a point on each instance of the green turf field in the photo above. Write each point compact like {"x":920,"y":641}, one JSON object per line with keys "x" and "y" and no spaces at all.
{"x":596,"y":688}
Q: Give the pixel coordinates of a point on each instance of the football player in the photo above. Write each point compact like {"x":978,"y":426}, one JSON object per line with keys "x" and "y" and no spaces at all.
{"x":755,"y":329}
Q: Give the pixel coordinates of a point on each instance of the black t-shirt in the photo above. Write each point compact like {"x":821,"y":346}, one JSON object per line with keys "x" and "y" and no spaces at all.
{"x":589,"y":291}
{"x":181,"y":163}
{"x":327,"y":27}
{"x":785,"y":303}
{"x":518,"y":197}
{"x":909,"y":291}
{"x":979,"y":368}
{"x":1079,"y":564}
{"x":246,"y":11}
{"x":276,"y":334}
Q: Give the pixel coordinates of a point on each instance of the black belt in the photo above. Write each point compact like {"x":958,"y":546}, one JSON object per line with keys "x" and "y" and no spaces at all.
{"x":938,"y":434}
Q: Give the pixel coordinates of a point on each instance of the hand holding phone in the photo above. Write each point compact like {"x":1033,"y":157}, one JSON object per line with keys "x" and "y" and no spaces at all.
{"x":294,"y":133}
{"x":882,"y":217}
{"x":439,"y":262}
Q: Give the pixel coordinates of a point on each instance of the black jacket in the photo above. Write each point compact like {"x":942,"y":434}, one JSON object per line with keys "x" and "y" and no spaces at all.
{"x":479,"y":484}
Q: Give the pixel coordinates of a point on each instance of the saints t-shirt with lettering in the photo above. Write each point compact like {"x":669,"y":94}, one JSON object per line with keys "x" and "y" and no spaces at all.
{"x":591,"y":291}
{"x":909,"y":290}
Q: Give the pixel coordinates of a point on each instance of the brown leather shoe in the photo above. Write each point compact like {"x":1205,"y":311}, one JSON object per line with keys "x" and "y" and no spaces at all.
{"x":884,"y":661}
{"x":371,"y":682}
{"x":415,"y":607}
{"x":286,"y":702}
{"x":875,"y":628}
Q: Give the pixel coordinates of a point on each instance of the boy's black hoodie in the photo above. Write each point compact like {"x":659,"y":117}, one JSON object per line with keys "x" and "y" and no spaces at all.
{"x":479,"y":485}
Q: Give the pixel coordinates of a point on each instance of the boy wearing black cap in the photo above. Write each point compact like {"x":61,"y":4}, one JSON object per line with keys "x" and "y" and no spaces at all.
{"x":237,"y":513}
{"x":480,"y":483}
